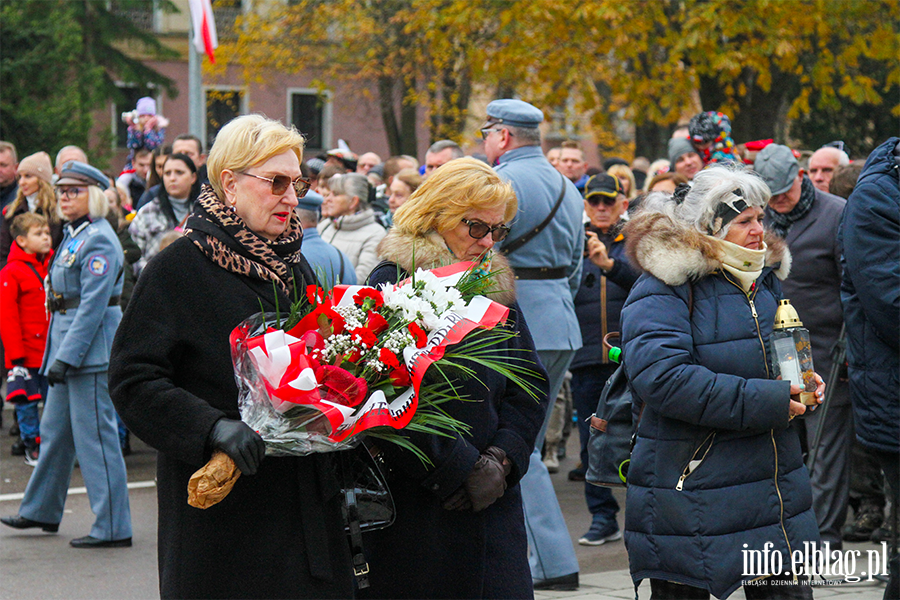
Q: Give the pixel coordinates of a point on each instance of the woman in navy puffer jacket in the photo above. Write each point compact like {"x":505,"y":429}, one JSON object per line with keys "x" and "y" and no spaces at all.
{"x":715,"y":471}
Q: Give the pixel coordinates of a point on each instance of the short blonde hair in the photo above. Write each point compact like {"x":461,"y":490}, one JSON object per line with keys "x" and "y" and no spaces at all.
{"x":450,"y":193}
{"x":98,"y":205}
{"x":620,"y":171}
{"x":246,"y":141}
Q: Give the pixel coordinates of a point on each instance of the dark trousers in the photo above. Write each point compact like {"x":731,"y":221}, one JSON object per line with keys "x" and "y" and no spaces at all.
{"x":587,"y":384}
{"x":761,"y":590}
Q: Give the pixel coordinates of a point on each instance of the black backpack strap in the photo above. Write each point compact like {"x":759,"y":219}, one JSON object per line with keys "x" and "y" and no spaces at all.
{"x":36,"y":274}
{"x":530,"y":235}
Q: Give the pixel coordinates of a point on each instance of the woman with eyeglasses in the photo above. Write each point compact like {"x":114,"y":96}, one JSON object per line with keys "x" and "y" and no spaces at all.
{"x":84,"y":284}
{"x":169,"y":210}
{"x":279,"y":534}
{"x":460,"y":529}
{"x":348,"y":220}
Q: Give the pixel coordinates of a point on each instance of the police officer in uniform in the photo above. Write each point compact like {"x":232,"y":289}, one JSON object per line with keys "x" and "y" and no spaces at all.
{"x":545,"y":248}
{"x":79,"y":420}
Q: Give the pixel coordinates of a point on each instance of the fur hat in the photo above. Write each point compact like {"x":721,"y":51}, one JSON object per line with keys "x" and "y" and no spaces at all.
{"x":38,"y":164}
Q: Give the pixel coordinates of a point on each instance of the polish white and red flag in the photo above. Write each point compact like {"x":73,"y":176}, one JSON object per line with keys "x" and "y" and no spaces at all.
{"x":205,"y":39}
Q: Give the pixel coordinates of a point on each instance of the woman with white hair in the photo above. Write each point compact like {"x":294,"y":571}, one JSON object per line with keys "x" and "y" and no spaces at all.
{"x":279,"y":534}
{"x":348,"y":221}
{"x":716,"y":473}
{"x":85,"y":281}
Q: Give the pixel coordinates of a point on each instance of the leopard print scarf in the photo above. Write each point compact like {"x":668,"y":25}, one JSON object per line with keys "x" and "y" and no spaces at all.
{"x":225,"y":239}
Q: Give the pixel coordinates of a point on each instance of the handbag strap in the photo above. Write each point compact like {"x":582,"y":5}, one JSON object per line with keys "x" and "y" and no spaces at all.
{"x":358,"y":557}
{"x":530,"y":235}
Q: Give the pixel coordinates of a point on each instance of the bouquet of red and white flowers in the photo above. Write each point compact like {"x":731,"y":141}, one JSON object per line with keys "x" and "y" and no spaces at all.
{"x":353,"y":359}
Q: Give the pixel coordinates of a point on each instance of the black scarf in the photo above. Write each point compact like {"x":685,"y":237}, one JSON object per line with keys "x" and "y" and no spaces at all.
{"x":781,"y":223}
{"x":225,"y":239}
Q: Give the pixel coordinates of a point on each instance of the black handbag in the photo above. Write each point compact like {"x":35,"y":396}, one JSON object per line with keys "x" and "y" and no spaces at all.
{"x":367,"y":503}
{"x":364,"y":485}
{"x":612,"y":434}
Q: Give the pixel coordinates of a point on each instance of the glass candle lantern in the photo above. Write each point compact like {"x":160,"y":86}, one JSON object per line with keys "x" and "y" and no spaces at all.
{"x":792,"y":352}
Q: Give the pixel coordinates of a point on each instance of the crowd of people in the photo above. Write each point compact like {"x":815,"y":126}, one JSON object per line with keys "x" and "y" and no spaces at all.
{"x":686,"y":256}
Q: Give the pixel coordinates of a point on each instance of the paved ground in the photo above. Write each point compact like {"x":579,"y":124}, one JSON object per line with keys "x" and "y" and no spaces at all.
{"x":36,"y":565}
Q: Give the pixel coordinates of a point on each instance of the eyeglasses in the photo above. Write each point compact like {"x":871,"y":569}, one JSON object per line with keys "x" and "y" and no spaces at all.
{"x":69,"y":192}
{"x":280,"y":184}
{"x":596,"y":199}
{"x":478,"y":230}
{"x":487,"y":131}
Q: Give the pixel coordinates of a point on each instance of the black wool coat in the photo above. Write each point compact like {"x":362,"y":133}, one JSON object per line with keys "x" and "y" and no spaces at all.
{"x":430,"y":552}
{"x":279,"y":534}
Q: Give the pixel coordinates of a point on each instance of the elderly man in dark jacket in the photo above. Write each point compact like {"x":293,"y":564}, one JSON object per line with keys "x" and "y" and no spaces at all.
{"x":808,"y":219}
{"x":605,"y":282}
{"x":870,"y":293}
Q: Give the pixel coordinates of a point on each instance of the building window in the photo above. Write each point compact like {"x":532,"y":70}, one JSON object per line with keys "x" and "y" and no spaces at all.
{"x":128,"y":103}
{"x":310,"y":112}
{"x":226,"y":12}
{"x":221,"y":107}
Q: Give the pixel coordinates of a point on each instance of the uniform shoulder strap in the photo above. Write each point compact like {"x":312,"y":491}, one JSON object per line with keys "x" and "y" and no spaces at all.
{"x":530,"y":235}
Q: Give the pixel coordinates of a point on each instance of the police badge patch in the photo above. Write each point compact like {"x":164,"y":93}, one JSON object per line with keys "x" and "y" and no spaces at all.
{"x":98,"y":265}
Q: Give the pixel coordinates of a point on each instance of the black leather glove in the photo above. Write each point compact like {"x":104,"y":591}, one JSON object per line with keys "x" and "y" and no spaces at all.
{"x":245,"y":447}
{"x":57,"y":372}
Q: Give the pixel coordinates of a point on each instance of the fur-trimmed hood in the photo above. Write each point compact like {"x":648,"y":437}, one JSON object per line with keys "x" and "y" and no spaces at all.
{"x":430,"y":251}
{"x":675,"y":253}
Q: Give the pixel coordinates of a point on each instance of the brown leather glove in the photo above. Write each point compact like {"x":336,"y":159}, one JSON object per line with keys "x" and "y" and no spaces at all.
{"x":484,"y":485}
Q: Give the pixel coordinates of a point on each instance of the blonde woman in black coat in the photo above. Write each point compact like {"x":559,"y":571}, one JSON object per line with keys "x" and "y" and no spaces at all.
{"x":279,"y":534}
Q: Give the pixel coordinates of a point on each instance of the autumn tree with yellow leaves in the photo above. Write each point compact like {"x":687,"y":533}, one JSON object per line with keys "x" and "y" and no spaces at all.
{"x":766,"y":63}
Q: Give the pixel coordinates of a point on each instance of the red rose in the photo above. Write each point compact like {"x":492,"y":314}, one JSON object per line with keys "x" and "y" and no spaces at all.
{"x":400,"y":377}
{"x":418,"y":334}
{"x":362,"y":335}
{"x":368,"y":292}
{"x":340,"y":386}
{"x":314,"y":294}
{"x":388,"y":358}
{"x":377,"y":323}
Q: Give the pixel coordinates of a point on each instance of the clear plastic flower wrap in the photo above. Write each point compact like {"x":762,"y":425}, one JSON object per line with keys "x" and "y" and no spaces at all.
{"x":289,"y":429}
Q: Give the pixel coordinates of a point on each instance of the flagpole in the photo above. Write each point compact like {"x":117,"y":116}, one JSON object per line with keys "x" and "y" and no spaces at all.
{"x":196,"y":112}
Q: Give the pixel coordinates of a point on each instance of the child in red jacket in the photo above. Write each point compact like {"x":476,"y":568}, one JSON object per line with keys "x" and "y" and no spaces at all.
{"x":23,"y":327}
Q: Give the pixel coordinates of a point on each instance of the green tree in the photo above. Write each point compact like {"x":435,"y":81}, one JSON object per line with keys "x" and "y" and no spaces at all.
{"x":59,"y":60}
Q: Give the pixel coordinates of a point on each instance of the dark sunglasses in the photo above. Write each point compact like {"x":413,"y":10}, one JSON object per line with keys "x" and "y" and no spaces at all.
{"x":478,"y":230}
{"x":596,"y":199}
{"x":280,"y":184}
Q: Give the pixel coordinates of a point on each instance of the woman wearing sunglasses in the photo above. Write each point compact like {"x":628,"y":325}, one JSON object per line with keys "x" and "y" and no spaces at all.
{"x":459,"y":529}
{"x":169,"y":210}
{"x":280,"y":533}
{"x":606,"y":280}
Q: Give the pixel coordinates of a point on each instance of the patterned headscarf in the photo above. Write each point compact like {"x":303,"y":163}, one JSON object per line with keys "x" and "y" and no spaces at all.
{"x":713,"y":127}
{"x":225,"y":239}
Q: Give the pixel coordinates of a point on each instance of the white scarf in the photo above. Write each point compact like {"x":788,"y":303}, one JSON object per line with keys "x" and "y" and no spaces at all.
{"x":743,"y":263}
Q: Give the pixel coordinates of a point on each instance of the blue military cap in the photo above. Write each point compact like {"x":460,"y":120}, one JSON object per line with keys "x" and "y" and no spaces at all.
{"x":79,"y":173}
{"x":311,"y":201}
{"x":514,"y":113}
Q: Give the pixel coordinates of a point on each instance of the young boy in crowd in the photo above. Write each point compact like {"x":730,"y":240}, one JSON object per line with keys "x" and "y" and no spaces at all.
{"x":23,"y":328}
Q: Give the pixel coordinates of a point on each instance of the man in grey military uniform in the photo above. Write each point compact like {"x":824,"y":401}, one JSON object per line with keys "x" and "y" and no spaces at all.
{"x":548,"y":273}
{"x":330,"y":265}
{"x":79,"y":419}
